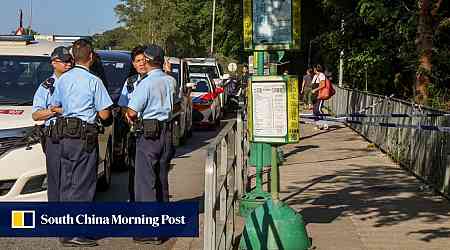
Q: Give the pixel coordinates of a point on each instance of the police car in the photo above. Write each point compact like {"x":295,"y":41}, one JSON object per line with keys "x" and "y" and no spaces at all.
{"x":211,"y":67}
{"x":24,"y":64}
{"x":205,"y":98}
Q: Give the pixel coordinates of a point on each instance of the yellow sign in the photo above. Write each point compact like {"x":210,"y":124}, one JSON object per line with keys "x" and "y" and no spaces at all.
{"x":293,"y":115}
{"x":272,"y":109}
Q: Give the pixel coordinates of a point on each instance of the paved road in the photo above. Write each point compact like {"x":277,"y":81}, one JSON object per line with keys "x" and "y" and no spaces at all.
{"x":186,"y":180}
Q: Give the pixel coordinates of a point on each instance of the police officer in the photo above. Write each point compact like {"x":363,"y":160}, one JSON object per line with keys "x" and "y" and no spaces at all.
{"x":82,"y":97}
{"x":153,"y":100}
{"x":61,"y":61}
{"x":142,"y":68}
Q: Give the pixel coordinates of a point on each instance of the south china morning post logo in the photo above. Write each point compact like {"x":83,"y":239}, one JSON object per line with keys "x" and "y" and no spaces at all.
{"x":22,"y":219}
{"x":102,"y":220}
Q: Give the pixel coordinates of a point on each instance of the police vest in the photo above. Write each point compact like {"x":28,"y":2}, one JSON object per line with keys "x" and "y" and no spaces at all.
{"x":131,"y":80}
{"x":49,"y":84}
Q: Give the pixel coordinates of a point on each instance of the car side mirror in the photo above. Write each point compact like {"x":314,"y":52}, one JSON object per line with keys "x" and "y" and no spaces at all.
{"x":219,"y":90}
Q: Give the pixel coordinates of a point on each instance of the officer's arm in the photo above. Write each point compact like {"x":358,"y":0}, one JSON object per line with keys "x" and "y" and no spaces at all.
{"x":102,"y":102}
{"x":104,"y":114}
{"x":40,"y":111}
{"x":42,"y":115}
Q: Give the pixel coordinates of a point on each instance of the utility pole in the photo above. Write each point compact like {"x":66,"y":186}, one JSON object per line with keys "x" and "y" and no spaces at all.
{"x":31,"y":17}
{"x":212,"y":28}
{"x":341,"y":58}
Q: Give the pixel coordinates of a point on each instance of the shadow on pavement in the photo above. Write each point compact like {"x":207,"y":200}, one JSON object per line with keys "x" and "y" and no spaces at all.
{"x":387,"y":196}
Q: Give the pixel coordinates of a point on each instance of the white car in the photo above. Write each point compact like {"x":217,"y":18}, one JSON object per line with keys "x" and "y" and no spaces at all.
{"x":24,"y":65}
{"x":211,"y":67}
{"x":182,"y":107}
{"x":205,"y":99}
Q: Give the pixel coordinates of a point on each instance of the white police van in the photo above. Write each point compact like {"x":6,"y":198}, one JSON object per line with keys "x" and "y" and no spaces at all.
{"x":24,"y":64}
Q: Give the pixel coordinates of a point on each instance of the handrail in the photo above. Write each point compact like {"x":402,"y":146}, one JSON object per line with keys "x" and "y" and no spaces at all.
{"x":224,"y":184}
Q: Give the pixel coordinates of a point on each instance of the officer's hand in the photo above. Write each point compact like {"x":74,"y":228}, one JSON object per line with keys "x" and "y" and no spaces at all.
{"x":57,"y":110}
{"x":129,"y":120}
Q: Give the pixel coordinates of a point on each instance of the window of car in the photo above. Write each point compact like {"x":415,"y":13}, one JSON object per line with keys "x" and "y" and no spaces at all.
{"x":201,"y":84}
{"x":211,"y":70}
{"x":20,"y":76}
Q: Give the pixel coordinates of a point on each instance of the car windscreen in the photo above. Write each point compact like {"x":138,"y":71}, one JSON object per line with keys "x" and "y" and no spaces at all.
{"x":201,"y":84}
{"x":20,"y":76}
{"x":210,"y":70}
{"x":115,"y":74}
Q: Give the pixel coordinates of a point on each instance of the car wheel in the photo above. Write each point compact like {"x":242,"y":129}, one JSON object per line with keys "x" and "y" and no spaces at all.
{"x":104,"y":182}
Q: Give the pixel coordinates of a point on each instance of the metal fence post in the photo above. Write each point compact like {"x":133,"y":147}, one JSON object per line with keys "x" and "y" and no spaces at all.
{"x":223,"y":190}
{"x":209,"y":238}
{"x":239,"y":139}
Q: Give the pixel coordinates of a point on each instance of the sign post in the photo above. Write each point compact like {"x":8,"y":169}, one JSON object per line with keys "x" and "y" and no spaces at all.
{"x":271,"y":26}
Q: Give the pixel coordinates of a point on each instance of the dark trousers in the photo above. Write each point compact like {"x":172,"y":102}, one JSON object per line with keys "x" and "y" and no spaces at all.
{"x":131,"y":154}
{"x":152,"y":167}
{"x":78,"y":171}
{"x":53,"y":164}
{"x":317,"y":108}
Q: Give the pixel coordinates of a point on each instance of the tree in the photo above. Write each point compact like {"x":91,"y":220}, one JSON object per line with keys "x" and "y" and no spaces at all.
{"x":427,"y":23}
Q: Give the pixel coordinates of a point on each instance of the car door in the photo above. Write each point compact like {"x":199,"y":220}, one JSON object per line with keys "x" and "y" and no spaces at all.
{"x":217,"y":105}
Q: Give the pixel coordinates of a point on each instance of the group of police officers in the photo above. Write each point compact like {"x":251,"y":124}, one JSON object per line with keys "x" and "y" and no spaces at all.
{"x":74,"y":104}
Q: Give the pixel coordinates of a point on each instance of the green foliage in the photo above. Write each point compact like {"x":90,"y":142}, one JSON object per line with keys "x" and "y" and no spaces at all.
{"x":181,"y":27}
{"x":380,"y":35}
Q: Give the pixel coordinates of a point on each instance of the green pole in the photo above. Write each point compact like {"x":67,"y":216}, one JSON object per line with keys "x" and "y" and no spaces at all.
{"x":274,"y":175}
{"x":259,"y":167}
{"x":259,"y":146}
{"x":259,"y":63}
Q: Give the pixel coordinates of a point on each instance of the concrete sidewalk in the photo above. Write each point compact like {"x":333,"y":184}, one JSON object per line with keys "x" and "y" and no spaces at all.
{"x":352,"y":196}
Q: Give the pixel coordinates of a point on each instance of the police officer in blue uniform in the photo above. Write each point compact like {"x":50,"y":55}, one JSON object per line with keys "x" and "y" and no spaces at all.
{"x":152,"y":100}
{"x":142,"y":68}
{"x":82,"y":97}
{"x":61,"y":61}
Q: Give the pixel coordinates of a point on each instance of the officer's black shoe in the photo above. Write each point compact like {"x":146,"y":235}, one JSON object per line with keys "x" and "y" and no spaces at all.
{"x":78,"y":242}
{"x":147,"y":240}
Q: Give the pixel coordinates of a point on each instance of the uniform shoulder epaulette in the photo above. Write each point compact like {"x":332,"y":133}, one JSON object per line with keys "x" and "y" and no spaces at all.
{"x":130,"y":82}
{"x":49,"y":84}
{"x":132,"y":79}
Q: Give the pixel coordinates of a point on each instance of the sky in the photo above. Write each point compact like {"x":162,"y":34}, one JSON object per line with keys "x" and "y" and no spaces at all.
{"x":65,"y":17}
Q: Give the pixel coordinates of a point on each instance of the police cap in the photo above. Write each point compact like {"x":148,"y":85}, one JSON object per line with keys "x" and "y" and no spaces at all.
{"x":62,"y":53}
{"x":154,"y":53}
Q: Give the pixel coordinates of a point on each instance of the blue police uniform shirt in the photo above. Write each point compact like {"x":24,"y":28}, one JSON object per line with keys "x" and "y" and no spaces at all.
{"x":80,"y":94}
{"x":125,"y":95}
{"x":153,"y":96}
{"x":41,"y":99}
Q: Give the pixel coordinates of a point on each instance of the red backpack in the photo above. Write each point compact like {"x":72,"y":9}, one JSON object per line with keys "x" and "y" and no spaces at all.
{"x":327,"y":91}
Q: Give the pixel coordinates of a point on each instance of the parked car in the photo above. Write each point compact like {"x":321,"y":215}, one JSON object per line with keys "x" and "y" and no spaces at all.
{"x":182,"y":107}
{"x":211,"y":67}
{"x":24,"y":65}
{"x":205,"y":99}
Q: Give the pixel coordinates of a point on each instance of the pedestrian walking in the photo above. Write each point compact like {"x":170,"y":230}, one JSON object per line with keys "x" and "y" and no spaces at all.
{"x":61,"y":61}
{"x":82,"y":97}
{"x":318,"y":83}
{"x":306,"y":88}
{"x":150,"y":109}
{"x":142,"y":68}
